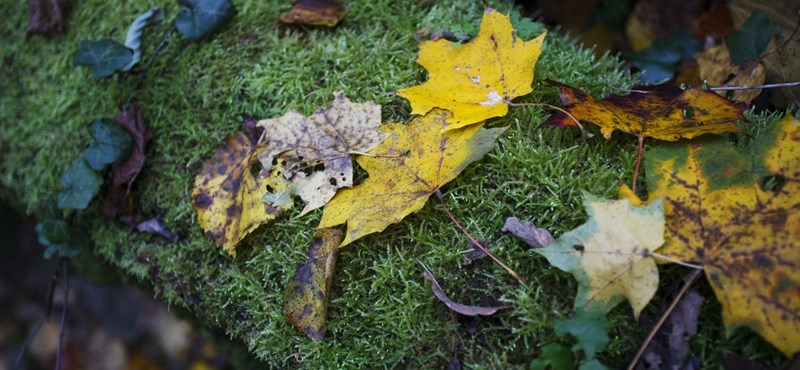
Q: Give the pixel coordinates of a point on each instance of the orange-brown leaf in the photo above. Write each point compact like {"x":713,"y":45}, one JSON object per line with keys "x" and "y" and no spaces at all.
{"x":663,"y":112}
{"x":315,"y":13}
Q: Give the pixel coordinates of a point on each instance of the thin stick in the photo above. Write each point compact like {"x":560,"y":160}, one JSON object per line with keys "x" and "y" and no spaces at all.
{"x":46,"y":317}
{"x":63,"y":313}
{"x":796,"y":27}
{"x":160,"y":46}
{"x":767,"y":86}
{"x":672,"y":260}
{"x":688,"y":283}
{"x":638,"y":161}
{"x":583,"y":129}
{"x":475,"y":241}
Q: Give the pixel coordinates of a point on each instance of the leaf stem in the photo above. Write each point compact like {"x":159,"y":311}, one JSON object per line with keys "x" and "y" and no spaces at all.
{"x":638,"y":161}
{"x":796,"y":27}
{"x":688,"y":282}
{"x":63,"y":313}
{"x":585,"y":133}
{"x":672,"y":260}
{"x":475,"y":241}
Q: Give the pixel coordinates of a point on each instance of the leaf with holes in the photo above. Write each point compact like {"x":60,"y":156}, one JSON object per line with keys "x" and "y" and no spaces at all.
{"x":325,"y":139}
{"x":404,"y":170}
{"x":664,"y":112}
{"x":227,"y":196}
{"x":608,"y":255}
{"x":736,"y":212}
{"x":476,"y":80}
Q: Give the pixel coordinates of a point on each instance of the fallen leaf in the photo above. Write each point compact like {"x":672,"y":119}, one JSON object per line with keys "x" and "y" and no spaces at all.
{"x":125,"y":172}
{"x":475,"y":253}
{"x":716,"y":68}
{"x":608,"y":255}
{"x":751,"y":39}
{"x":45,"y":17}
{"x":404,"y":170}
{"x":663,"y":112}
{"x":306,"y":295}
{"x":326,"y":13}
{"x":326,"y":138}
{"x":533,"y":236}
{"x":156,"y":226}
{"x":457,"y":307}
{"x":477,"y":80}
{"x":723,"y":215}
{"x":658,"y":61}
{"x":133,"y":40}
{"x":79,"y":184}
{"x":227,"y":196}
{"x":553,"y":356}
{"x":670,"y":348}
{"x":202,"y":17}
{"x":111,"y":144}
{"x":102,"y":57}
{"x":589,"y":330}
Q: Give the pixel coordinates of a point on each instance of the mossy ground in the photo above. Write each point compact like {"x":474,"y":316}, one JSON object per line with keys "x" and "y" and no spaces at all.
{"x":382,"y":312}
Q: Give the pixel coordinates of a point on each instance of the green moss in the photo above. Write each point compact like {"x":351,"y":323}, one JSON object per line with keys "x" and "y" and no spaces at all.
{"x":382,"y":313}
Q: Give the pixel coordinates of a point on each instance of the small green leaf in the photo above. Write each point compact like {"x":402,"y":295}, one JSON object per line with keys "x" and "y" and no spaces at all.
{"x":103,"y":57}
{"x":658,"y":61}
{"x":524,"y":27}
{"x":555,"y":357}
{"x":593,"y":365}
{"x":751,"y":39}
{"x":80,"y":183}
{"x":133,"y":40}
{"x":202,"y":17}
{"x":58,"y":237}
{"x":112,"y":143}
{"x":589,"y":330}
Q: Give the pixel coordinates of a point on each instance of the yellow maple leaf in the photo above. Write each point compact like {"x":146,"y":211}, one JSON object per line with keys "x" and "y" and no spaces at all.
{"x":724,"y":215}
{"x":475,"y":81}
{"x":410,"y":165}
{"x":227,"y":196}
{"x":613,"y":263}
{"x":664,"y":112}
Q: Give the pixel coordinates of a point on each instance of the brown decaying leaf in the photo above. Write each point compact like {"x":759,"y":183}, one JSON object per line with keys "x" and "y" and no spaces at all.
{"x":670,"y":349}
{"x":664,"y":112}
{"x":306,"y":295}
{"x":715,"y":67}
{"x":457,"y":307}
{"x":119,"y":201}
{"x":156,"y":226}
{"x":45,"y":17}
{"x":326,"y":13}
{"x":533,"y":236}
{"x":474,"y":252}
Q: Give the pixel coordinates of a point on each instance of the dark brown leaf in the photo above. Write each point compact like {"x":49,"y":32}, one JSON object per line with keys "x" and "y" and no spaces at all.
{"x":527,"y":232}
{"x":45,"y":17}
{"x":670,"y":349}
{"x":475,"y":253}
{"x":457,"y":307}
{"x":315,"y":13}
{"x":119,"y":201}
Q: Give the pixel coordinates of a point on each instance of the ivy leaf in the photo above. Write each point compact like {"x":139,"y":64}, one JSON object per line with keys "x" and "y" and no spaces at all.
{"x":608,"y":255}
{"x":751,"y":39}
{"x":664,"y":112}
{"x":133,"y":40}
{"x":102,"y":57}
{"x":111,"y":144}
{"x":327,"y":138}
{"x":56,"y":235}
{"x":553,"y":356}
{"x":307,"y":293}
{"x":80,"y":183}
{"x":724,"y":216}
{"x":406,"y":169}
{"x":202,"y":17}
{"x":657,"y":62}
{"x":227,"y":196}
{"x":476,"y":80}
{"x":589,"y":330}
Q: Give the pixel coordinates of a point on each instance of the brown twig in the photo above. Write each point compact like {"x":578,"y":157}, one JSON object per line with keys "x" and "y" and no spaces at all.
{"x":63,"y":313}
{"x":638,"y":161}
{"x":475,"y":241}
{"x":688,"y":281}
{"x":767,"y":86}
{"x":585,"y":133}
{"x":796,"y":27}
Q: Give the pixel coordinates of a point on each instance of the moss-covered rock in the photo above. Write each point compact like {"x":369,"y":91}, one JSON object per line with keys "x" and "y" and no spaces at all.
{"x":382,"y":312}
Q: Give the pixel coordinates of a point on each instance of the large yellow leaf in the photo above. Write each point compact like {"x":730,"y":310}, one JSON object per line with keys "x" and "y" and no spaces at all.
{"x":410,"y":165}
{"x":227,"y":196}
{"x":736,"y":212}
{"x":476,"y":80}
{"x":663,"y":112}
{"x":611,"y":262}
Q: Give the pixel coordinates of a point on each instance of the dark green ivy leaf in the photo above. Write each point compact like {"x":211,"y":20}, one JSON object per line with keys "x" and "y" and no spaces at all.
{"x":103,"y":57}
{"x":658,"y":61}
{"x":56,"y":235}
{"x":201,"y":17}
{"x":751,"y":39}
{"x":80,"y":183}
{"x":112,"y":143}
{"x":554,"y":356}
{"x":589,"y":330}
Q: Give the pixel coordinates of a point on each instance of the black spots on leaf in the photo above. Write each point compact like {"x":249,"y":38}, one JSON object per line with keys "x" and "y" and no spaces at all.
{"x":203,"y":200}
{"x":579,"y":248}
{"x":233,"y":211}
{"x":762,"y":262}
